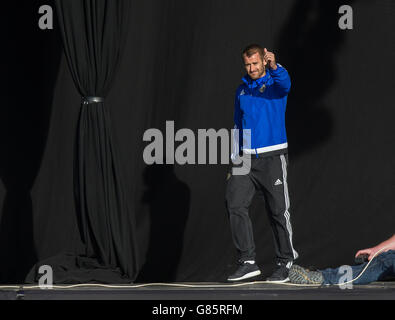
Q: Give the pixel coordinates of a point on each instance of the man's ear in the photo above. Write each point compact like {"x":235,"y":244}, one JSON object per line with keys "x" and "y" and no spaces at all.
{"x":264,"y":62}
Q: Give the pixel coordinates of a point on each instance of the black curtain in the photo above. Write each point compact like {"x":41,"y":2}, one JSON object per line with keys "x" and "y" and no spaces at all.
{"x":94,"y":33}
{"x":182,"y":63}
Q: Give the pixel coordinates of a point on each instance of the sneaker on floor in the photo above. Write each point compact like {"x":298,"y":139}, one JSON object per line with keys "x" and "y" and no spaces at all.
{"x":300,"y":275}
{"x":246,"y":270}
{"x":280,"y":274}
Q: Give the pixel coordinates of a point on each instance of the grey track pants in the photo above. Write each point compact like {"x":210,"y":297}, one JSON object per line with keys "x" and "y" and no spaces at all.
{"x":269,"y":175}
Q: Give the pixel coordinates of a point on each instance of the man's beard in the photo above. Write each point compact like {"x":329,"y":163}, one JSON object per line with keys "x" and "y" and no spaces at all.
{"x":260,"y":74}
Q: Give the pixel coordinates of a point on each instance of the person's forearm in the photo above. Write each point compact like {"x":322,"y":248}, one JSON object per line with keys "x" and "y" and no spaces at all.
{"x":390,"y":244}
{"x":281,"y":79}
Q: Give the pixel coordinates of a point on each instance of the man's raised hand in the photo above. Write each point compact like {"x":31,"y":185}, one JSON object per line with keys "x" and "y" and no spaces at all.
{"x":270,"y":59}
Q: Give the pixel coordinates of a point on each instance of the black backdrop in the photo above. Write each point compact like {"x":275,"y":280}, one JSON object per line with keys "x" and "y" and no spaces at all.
{"x":182,"y":63}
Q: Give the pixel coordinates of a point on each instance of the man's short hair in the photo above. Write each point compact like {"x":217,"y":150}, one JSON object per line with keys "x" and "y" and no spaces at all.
{"x":252,"y":49}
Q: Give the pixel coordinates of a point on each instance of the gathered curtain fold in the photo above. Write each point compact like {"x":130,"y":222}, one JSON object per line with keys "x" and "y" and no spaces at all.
{"x":94,"y":35}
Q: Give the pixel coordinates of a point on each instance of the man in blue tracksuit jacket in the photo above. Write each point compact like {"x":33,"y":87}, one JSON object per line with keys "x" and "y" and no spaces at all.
{"x":260,"y":104}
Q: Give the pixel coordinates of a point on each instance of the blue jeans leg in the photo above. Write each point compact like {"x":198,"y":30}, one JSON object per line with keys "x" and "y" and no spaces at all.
{"x":383,"y":265}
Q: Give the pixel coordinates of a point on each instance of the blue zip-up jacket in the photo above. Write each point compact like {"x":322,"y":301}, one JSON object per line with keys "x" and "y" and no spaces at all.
{"x":263,"y":112}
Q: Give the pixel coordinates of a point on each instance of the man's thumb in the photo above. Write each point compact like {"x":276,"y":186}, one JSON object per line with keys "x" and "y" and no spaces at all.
{"x":264,"y":50}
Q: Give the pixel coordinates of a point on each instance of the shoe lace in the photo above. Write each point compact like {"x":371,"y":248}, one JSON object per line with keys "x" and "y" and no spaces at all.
{"x":279,"y":270}
{"x":244,"y":265}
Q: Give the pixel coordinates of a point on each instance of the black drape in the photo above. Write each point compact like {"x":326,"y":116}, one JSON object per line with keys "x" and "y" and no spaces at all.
{"x":93,"y":33}
{"x":182,"y":63}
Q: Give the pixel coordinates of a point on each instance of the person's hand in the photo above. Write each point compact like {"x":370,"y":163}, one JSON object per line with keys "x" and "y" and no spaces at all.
{"x":370,"y":252}
{"x":270,"y":59}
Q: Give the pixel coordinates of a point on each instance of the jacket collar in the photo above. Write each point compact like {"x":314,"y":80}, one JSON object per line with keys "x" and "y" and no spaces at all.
{"x":256,"y":83}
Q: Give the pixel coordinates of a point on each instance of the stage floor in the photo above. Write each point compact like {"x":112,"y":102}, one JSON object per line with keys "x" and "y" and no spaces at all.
{"x":204,"y":291}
